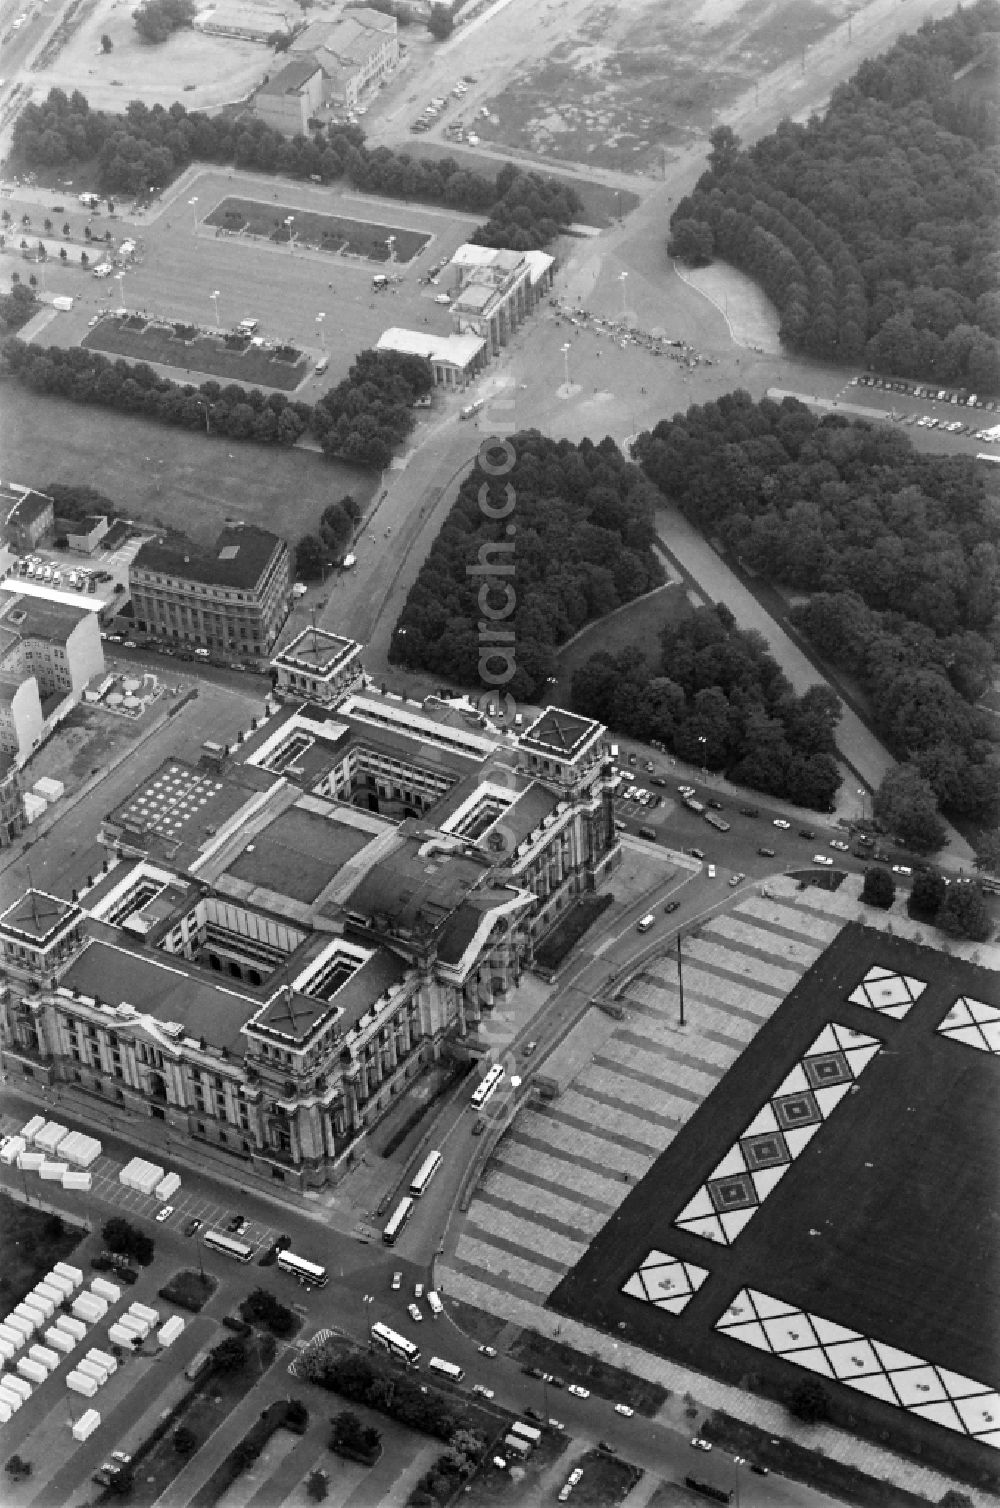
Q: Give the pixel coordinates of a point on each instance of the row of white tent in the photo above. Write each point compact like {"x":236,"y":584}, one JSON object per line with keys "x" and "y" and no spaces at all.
{"x":67,"y":1330}
{"x":148,"y":1178}
{"x":59,"y":1155}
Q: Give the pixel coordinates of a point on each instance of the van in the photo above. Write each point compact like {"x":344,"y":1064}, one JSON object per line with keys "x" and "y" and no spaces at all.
{"x":379,"y":280}
{"x":321,"y":365}
{"x":434,"y":1303}
{"x":202,"y":654}
{"x":648,"y":832}
{"x":645,"y":922}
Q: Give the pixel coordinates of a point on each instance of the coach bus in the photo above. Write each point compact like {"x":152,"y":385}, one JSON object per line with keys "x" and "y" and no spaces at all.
{"x":226,"y":1244}
{"x":396,"y":1345}
{"x":306,"y":1272}
{"x":488,"y":1087}
{"x":425,"y":1173}
{"x":445,"y":1369}
{"x":400,"y":1215}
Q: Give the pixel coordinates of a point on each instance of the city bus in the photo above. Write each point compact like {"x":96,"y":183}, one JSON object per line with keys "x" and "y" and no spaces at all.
{"x":306,"y":1272}
{"x":445,"y":1369}
{"x":396,"y":1345}
{"x":425,"y":1173}
{"x":488,"y":1087}
{"x":527,"y":1432}
{"x":400,"y":1215}
{"x":227,"y":1245}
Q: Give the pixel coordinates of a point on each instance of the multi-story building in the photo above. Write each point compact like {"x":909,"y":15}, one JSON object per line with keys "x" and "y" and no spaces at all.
{"x":50,"y":649}
{"x":27,"y":517}
{"x":230,"y":599}
{"x":13,"y":818}
{"x":280,"y":946}
{"x":293,"y":96}
{"x":357,"y":50}
{"x":498,"y":290}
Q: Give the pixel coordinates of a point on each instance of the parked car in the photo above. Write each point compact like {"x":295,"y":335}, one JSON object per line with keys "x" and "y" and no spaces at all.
{"x":671,"y":907}
{"x":557,"y":1425}
{"x":806,"y":832}
{"x":699,"y":1444}
{"x":766,"y":853}
{"x":236,"y":1225}
{"x":824,"y":859}
{"x":397,"y":1281}
{"x":482,"y":1390}
{"x":414,"y":1313}
{"x":192,"y":1227}
{"x":579,"y":1392}
{"x":164,"y":1213}
{"x":780,"y":822}
{"x":624,"y":1410}
{"x":839,"y":845}
{"x":487,"y":1350}
{"x":750,"y":811}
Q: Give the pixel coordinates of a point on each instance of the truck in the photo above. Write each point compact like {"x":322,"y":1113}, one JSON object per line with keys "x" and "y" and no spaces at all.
{"x":89,"y":201}
{"x":516,"y":1447}
{"x":472,"y":408}
{"x":62,"y":302}
{"x":694,"y":805}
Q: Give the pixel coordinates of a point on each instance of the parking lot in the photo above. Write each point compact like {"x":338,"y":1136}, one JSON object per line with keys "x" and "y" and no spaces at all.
{"x":952,"y":411}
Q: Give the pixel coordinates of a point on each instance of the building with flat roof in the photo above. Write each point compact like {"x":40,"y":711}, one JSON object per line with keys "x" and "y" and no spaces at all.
{"x":246,"y":20}
{"x":50,"y":649}
{"x":230,"y":599}
{"x":498,"y":290}
{"x":286,"y":936}
{"x":455,"y":359}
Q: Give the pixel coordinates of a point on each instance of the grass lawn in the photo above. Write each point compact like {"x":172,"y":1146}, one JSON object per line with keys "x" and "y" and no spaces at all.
{"x":190,"y":1289}
{"x":175,"y":478}
{"x":31,"y":1242}
{"x":333,"y":233}
{"x":604,"y":1380}
{"x":209,"y":1407}
{"x":205,"y":355}
{"x":635,"y":628}
{"x":885,"y":1224}
{"x":568,"y":931}
{"x":491,"y":1485}
{"x":605,"y":1481}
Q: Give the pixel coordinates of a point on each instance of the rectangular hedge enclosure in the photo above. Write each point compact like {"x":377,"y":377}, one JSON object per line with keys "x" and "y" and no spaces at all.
{"x":333,"y":233}
{"x":170,"y":345}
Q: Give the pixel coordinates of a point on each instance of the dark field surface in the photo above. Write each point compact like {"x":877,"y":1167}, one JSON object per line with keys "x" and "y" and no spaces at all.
{"x":886,"y":1223}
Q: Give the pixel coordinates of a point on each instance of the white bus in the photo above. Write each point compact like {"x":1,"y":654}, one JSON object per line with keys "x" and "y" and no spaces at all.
{"x":306,"y":1272}
{"x":488,"y":1087}
{"x":396,"y":1345}
{"x":445,"y":1369}
{"x":226,"y":1244}
{"x":527,"y":1432}
{"x":425,"y":1173}
{"x":400,"y":1215}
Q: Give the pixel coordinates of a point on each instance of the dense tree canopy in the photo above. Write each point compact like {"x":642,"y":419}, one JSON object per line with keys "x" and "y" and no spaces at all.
{"x":362,"y":420}
{"x":149,"y":145}
{"x":156,"y":20}
{"x":718,"y":699}
{"x":570,"y":538}
{"x":873,"y":229}
{"x":898,"y":551}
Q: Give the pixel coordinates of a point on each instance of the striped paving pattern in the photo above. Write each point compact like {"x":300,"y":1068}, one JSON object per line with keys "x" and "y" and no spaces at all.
{"x":566,"y":1165}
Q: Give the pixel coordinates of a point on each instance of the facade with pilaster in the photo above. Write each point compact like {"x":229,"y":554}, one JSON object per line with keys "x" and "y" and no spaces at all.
{"x":278,"y":948}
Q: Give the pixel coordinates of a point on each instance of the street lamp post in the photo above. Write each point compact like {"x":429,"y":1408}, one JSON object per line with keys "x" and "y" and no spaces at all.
{"x":194,"y":212}
{"x":566,"y":350}
{"x":622,"y":277}
{"x":214,"y":296}
{"x":208,"y":427}
{"x":319,"y":327}
{"x":680,"y":979}
{"x":289,"y":222}
{"x":120,"y":280}
{"x":702,"y":739}
{"x":368,"y":1299}
{"x":862,"y":793}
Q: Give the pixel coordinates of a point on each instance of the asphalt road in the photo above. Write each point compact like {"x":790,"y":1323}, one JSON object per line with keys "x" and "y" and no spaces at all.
{"x":359,"y":1292}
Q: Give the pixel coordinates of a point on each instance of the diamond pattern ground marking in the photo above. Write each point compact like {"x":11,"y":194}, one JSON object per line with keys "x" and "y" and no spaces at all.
{"x":870,"y":1366}
{"x":887,"y":992}
{"x":975,"y":1024}
{"x":778,"y":1133}
{"x":665,"y":1281}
